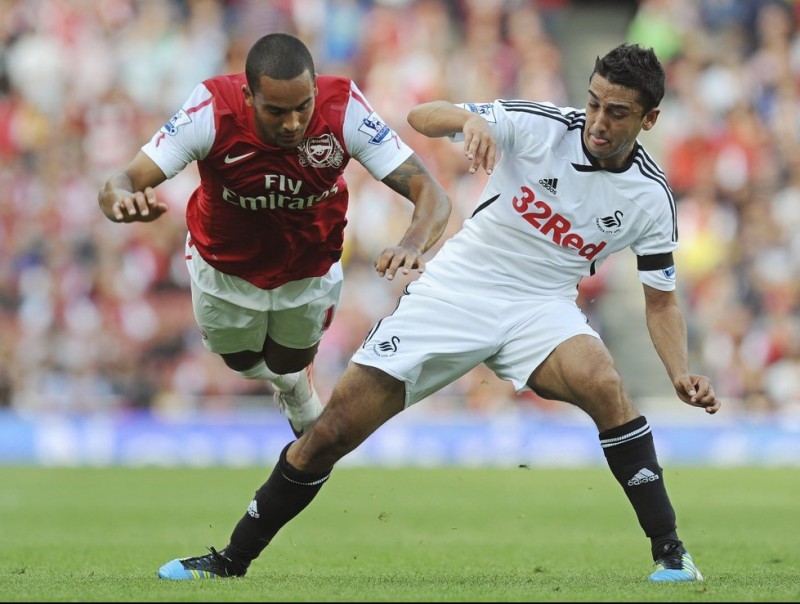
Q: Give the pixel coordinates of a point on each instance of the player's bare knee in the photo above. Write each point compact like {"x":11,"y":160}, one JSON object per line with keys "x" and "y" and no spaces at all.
{"x":242,"y":361}
{"x":606,"y":401}
{"x":607,"y":383}
{"x":284,"y":366}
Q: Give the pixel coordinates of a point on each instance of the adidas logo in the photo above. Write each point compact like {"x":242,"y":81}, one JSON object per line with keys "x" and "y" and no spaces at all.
{"x":549,"y":184}
{"x":252,"y":509}
{"x":642,"y":476}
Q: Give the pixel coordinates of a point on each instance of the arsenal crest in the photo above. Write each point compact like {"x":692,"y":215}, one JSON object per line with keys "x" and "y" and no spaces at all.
{"x":321,"y":152}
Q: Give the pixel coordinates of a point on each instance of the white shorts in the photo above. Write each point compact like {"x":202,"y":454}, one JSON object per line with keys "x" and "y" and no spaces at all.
{"x":234,"y":315}
{"x":433,"y":337}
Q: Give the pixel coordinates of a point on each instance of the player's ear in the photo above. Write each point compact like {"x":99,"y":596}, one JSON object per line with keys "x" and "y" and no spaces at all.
{"x":650,"y":118}
{"x":248,"y":96}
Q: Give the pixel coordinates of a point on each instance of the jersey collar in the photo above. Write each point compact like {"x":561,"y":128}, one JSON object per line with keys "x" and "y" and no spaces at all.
{"x":595,"y":167}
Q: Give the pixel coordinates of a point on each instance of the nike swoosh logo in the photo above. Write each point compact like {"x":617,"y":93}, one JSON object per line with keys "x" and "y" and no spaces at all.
{"x":230,"y":160}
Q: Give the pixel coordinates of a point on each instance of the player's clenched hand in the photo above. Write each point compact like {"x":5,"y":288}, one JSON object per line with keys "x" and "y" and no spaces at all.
{"x":479,"y":145}
{"x":696,"y":390}
{"x":400,"y":258}
{"x":141,"y":206}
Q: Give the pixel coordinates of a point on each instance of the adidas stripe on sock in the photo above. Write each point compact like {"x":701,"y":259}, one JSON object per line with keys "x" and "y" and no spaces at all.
{"x":285,"y":494}
{"x":631,"y":455}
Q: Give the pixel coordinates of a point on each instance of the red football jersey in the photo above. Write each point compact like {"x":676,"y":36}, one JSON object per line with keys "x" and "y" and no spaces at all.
{"x":265,"y":214}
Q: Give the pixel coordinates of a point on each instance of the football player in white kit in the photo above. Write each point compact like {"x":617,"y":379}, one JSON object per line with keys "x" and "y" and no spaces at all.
{"x":568,"y":187}
{"x":266,"y":224}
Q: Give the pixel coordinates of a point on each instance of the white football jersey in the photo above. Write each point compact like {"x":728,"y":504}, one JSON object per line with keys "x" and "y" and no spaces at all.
{"x":549,"y":216}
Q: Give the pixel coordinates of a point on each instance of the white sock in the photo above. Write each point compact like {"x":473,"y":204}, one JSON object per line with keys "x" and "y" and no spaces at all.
{"x":260,"y":371}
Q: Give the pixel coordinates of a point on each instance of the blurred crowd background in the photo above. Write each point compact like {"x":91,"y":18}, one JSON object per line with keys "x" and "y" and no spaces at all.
{"x":96,"y":316}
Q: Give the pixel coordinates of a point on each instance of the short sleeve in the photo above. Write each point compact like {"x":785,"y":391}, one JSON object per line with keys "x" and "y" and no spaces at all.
{"x":187,"y":136}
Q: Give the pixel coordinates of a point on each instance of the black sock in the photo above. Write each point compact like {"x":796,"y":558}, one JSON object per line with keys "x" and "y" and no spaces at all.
{"x":631,"y":455}
{"x":285,"y":494}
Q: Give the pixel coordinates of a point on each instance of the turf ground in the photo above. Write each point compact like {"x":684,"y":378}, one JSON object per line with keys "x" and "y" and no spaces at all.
{"x":510,"y":534}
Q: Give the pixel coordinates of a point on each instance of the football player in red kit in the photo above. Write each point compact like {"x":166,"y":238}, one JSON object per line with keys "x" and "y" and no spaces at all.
{"x":266,"y":224}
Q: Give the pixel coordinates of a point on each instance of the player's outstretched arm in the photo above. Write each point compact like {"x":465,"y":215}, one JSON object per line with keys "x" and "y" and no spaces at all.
{"x":667,"y":328}
{"x":440,"y":118}
{"x":412,"y":180}
{"x":129,"y":196}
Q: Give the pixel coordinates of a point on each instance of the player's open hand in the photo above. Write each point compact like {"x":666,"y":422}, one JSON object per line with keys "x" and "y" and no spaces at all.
{"x":696,"y":390}
{"x":404,"y":259}
{"x":479,"y":145}
{"x":141,"y":206}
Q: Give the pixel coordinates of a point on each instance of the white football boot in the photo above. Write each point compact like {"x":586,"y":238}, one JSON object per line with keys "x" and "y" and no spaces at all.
{"x":298,"y":401}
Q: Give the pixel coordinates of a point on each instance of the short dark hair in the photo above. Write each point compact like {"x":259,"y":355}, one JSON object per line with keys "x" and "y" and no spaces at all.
{"x":277,"y":56}
{"x":634,"y":67}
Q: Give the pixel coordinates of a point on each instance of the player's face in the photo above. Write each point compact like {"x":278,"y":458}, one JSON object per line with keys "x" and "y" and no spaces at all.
{"x":614,"y":119}
{"x":282,"y":109}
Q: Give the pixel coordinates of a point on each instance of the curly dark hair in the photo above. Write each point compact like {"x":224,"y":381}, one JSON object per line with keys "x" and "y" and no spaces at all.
{"x":634,"y":67}
{"x":277,"y":56}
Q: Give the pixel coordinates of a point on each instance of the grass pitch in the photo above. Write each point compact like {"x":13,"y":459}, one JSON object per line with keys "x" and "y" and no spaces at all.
{"x":449,"y":534}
